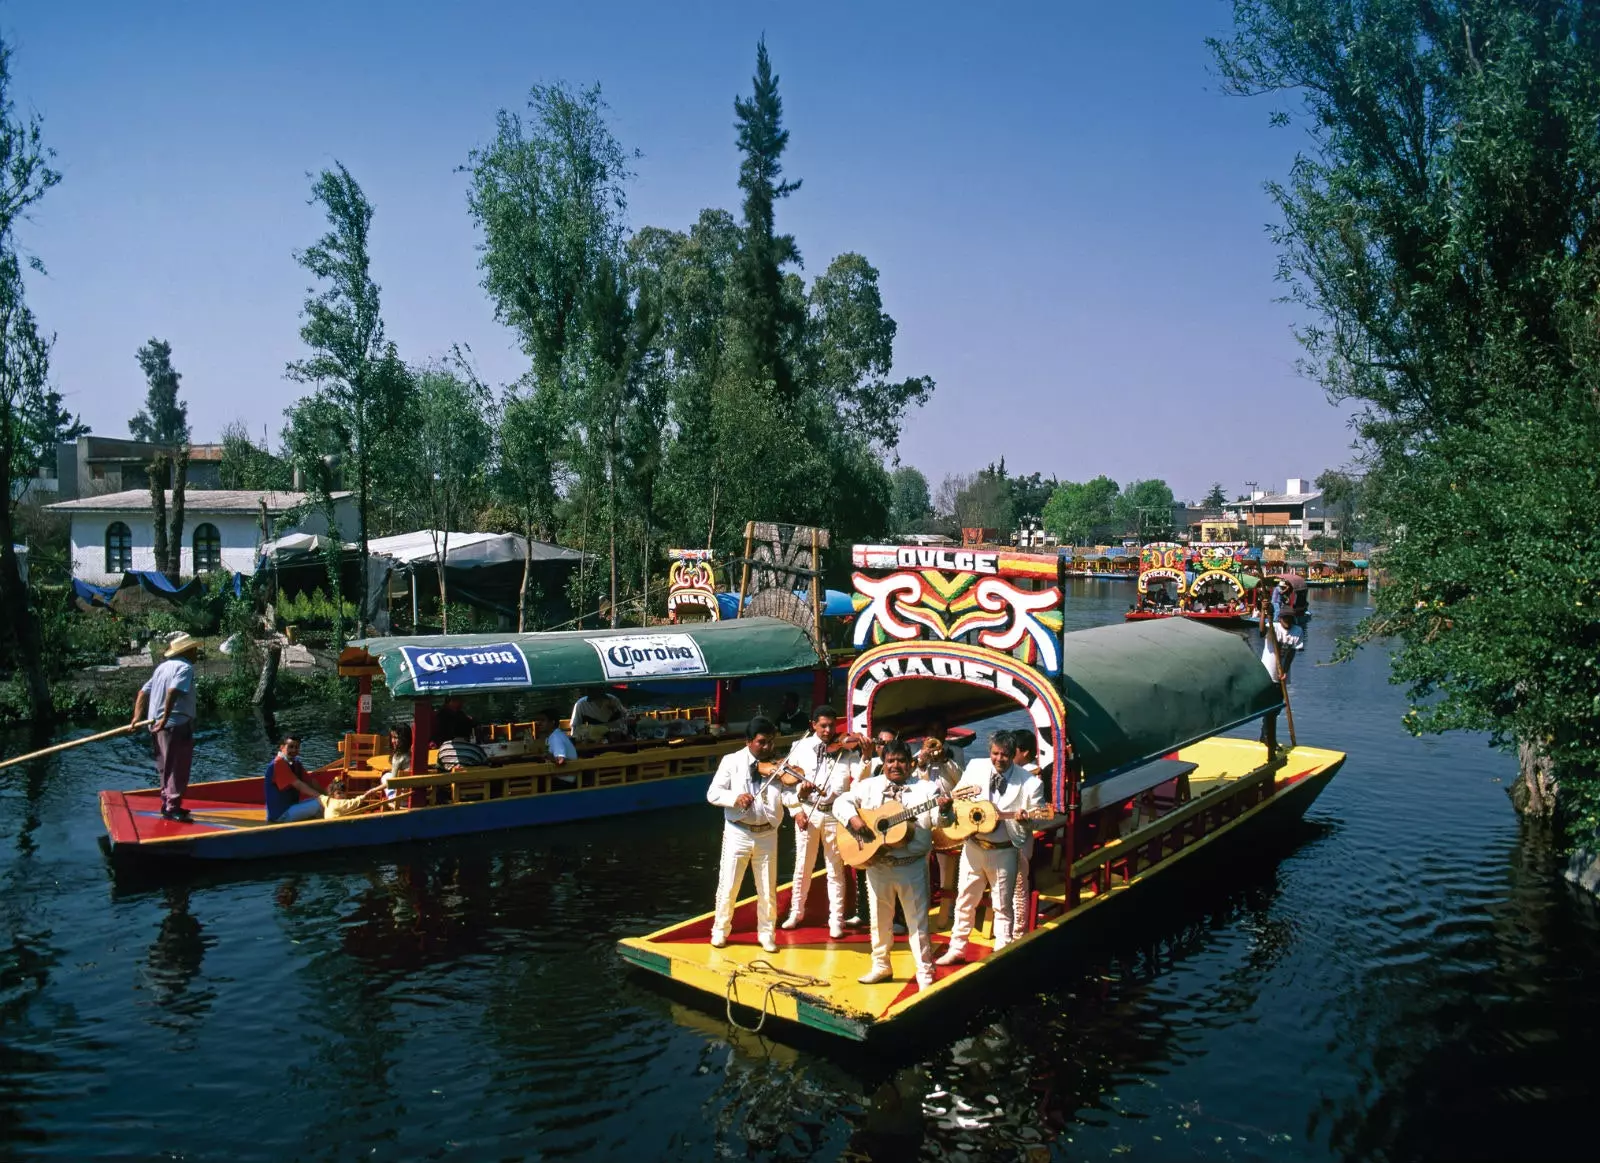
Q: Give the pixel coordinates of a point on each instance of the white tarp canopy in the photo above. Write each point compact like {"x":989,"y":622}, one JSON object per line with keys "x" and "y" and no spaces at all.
{"x":465,"y":550}
{"x":403,"y":552}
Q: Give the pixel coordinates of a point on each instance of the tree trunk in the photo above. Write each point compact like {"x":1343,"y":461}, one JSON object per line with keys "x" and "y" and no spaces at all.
{"x":611,"y":505}
{"x":440,"y":556}
{"x":363,"y":484}
{"x":1536,"y":790}
{"x":180,"y":481}
{"x":266,"y":687}
{"x":158,"y":504}
{"x":527,"y":569}
{"x":14,"y":593}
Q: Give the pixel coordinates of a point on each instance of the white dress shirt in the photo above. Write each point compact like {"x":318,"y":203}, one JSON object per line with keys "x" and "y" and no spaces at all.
{"x":831,"y":773}
{"x":736,"y":776}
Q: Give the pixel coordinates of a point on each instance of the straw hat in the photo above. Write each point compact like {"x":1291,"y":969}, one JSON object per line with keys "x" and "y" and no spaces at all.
{"x":182,"y":644}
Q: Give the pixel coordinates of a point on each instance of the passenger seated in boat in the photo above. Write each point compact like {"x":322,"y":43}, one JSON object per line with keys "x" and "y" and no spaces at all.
{"x":455,"y":754}
{"x":452,"y":722}
{"x":290,"y":794}
{"x":792,"y":720}
{"x":600,"y":708}
{"x":557,"y":743}
{"x":399,"y":757}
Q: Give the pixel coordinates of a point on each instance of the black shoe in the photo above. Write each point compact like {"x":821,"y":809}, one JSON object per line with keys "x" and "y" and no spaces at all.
{"x":180,"y":815}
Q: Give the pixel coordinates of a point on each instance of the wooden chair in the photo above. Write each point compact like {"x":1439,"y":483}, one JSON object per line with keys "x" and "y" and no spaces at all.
{"x":357,"y":749}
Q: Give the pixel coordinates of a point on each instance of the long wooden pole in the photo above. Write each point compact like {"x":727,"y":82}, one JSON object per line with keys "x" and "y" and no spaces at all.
{"x":115,"y":731}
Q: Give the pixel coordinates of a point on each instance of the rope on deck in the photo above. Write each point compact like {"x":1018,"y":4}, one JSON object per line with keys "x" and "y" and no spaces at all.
{"x":787,"y":980}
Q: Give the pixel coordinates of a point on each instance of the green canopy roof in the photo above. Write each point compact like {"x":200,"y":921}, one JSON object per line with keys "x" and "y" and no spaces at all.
{"x":1141,"y":689}
{"x":465,"y":663}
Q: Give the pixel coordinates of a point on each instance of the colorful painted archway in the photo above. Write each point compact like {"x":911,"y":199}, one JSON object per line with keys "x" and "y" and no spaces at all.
{"x":975,"y":666}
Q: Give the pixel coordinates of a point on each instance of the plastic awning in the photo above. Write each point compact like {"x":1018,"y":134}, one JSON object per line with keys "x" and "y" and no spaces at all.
{"x":467,"y":663}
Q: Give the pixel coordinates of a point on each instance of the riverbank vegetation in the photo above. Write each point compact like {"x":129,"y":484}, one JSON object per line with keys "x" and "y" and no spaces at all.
{"x":1440,"y":233}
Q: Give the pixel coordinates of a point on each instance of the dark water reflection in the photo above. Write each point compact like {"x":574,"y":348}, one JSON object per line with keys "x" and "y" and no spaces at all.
{"x":1407,"y":979}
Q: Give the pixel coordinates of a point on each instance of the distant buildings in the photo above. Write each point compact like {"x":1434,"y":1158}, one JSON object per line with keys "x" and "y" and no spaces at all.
{"x":93,"y":465}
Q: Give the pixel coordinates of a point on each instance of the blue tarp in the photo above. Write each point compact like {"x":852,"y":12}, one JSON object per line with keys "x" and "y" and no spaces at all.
{"x":151,"y":582}
{"x":835,"y":603}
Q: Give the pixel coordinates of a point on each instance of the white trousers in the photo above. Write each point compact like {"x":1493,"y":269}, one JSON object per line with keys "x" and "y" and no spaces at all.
{"x":992,"y":869}
{"x":1021,"y":891}
{"x":820,"y":834}
{"x":907,"y":883}
{"x":758,"y":852}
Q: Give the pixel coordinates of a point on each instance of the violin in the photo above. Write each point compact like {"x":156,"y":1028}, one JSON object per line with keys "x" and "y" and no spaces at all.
{"x":785,"y":772}
{"x":844,"y":743}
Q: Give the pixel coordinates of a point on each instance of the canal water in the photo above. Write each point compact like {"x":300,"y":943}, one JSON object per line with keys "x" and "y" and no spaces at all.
{"x":1412,"y":980}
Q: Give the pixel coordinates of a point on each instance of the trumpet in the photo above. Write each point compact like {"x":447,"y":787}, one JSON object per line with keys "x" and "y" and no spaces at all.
{"x":932,"y":751}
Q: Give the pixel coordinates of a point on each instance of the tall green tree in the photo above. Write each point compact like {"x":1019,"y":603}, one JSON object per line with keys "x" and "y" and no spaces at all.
{"x":1216,"y":498}
{"x":549,"y":197}
{"x":530,"y":433}
{"x":766,"y":318}
{"x":26,"y":175}
{"x":1144,"y":509}
{"x":1440,"y":232}
{"x":361,"y":389}
{"x":1080,"y":513}
{"x":910,"y":503}
{"x":164,"y":419}
{"x":450,"y":457}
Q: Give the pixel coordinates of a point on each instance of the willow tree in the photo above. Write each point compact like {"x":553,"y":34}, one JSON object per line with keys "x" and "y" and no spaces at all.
{"x":1440,"y":234}
{"x":164,"y":419}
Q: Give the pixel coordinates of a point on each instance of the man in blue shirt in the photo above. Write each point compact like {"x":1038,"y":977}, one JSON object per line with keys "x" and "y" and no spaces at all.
{"x":169,"y":694}
{"x":290,"y":794}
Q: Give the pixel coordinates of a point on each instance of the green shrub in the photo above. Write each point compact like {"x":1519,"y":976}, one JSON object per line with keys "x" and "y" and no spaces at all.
{"x":313,"y":608}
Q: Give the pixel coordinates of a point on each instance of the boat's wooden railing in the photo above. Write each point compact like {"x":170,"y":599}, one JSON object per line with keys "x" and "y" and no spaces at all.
{"x":541,"y":777}
{"x":1127,"y":856}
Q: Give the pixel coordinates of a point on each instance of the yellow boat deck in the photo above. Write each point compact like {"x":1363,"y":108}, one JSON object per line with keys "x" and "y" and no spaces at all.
{"x":811,"y":979}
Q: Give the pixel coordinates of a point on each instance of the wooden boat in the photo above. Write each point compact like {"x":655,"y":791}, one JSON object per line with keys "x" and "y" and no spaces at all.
{"x":1205,"y":583}
{"x":670,"y":764}
{"x":1129,"y":722}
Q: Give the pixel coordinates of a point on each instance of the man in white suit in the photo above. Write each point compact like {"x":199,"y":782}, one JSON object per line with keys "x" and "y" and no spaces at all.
{"x":752,"y":809}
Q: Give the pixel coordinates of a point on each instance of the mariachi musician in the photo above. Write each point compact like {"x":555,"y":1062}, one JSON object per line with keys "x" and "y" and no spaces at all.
{"x":990,"y":862}
{"x":828,"y":764}
{"x":897,"y":873}
{"x":752,"y":809}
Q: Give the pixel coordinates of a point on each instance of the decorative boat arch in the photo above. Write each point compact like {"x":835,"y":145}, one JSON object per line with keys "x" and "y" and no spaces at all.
{"x":1228,"y":576}
{"x":975,"y":666}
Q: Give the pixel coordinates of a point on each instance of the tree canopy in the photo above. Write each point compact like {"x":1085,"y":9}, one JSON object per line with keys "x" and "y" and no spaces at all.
{"x":1440,"y":235}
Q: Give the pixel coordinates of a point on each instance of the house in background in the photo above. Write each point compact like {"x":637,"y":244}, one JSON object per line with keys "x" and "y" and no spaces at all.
{"x":114,"y":533}
{"x":94,"y":465}
{"x":1295,"y":515}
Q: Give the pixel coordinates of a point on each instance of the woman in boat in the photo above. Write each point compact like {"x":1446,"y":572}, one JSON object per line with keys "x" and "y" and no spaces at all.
{"x":290,"y":794}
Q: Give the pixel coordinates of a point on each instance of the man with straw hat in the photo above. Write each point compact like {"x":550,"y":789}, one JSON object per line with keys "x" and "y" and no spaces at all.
{"x":170,"y":697}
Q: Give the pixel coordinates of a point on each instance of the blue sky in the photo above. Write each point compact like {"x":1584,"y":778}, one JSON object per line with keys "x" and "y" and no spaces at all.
{"x":1067,"y":213}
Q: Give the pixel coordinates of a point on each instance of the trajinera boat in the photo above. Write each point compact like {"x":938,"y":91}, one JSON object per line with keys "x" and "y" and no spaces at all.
{"x":669,"y":762}
{"x":1129,"y":722}
{"x":1203,"y":583}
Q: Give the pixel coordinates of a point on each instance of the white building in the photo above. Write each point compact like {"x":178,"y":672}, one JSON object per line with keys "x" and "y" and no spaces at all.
{"x":1293,"y":516}
{"x":114,"y":533}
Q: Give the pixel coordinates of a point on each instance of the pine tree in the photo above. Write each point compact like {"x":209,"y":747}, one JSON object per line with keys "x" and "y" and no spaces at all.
{"x":765,"y":317}
{"x":164,"y":419}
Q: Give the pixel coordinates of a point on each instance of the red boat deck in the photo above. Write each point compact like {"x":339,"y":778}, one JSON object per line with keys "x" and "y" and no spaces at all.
{"x":134,"y":817}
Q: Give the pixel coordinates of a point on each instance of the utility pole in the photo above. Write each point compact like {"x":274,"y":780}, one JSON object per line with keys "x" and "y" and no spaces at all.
{"x":1250,"y":528}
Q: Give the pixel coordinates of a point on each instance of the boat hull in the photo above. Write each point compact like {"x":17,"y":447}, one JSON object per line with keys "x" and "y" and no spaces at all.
{"x":1221,"y":618}
{"x":813,"y":988}
{"x":225,"y":829}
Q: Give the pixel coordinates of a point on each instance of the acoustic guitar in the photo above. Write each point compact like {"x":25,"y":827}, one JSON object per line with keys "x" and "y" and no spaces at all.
{"x":886,"y":827}
{"x":980,"y":817}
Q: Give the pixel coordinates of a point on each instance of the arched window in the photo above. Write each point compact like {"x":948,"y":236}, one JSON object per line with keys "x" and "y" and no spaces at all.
{"x":119,"y":548}
{"x":207,"y":548}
